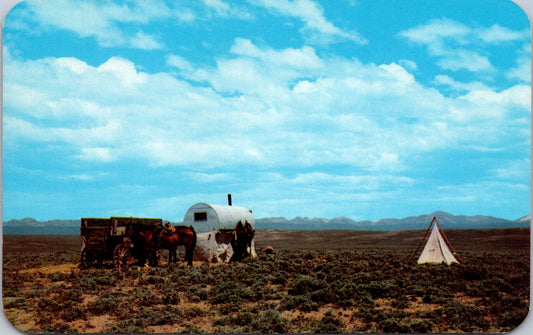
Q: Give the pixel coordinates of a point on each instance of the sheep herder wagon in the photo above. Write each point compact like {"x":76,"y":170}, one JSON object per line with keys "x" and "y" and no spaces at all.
{"x":114,"y":239}
{"x":220,"y":238}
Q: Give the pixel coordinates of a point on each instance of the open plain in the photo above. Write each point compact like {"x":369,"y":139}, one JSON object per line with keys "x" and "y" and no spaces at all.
{"x":316,"y":282}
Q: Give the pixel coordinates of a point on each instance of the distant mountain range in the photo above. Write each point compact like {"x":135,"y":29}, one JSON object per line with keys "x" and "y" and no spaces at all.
{"x":448,"y":221}
{"x":30,"y":226}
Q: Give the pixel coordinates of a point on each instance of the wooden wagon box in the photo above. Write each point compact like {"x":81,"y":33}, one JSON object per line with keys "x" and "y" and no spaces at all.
{"x":110,"y":238}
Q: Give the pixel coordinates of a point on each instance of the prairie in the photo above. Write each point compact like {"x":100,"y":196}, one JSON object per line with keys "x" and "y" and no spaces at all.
{"x":316,"y":282}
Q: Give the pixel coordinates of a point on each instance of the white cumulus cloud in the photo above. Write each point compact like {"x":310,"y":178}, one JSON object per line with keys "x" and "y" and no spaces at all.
{"x":254,"y":107}
{"x":312,"y":15}
{"x":451,"y":41}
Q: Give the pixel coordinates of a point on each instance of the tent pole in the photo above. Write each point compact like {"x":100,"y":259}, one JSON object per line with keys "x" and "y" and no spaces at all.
{"x":424,"y":239}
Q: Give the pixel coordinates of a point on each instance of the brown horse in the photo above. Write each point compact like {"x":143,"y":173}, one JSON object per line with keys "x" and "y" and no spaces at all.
{"x":150,"y":242}
{"x":179,"y":235}
{"x":242,"y":241}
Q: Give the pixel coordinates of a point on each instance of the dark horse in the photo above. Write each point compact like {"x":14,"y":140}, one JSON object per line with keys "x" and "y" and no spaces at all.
{"x":242,"y":241}
{"x":150,"y":242}
{"x":179,"y":235}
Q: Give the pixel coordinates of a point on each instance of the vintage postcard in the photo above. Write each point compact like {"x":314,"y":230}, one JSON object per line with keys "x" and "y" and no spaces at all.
{"x":266,"y":166}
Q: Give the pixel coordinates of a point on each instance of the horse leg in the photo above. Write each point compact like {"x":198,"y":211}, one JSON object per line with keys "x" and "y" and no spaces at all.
{"x":153,"y":258}
{"x":149,"y":257}
{"x":189,"y":248}
{"x":172,"y":255}
{"x":189,"y":255}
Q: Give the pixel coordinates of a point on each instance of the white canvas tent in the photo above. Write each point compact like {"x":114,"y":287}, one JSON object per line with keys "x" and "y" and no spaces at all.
{"x":438,"y":248}
{"x":214,"y":225}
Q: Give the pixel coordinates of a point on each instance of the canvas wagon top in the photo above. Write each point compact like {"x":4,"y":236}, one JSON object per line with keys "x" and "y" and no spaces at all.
{"x":208,"y":217}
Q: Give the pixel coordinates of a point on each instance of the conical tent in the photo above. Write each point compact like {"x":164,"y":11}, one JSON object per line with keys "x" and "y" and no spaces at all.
{"x":438,"y":248}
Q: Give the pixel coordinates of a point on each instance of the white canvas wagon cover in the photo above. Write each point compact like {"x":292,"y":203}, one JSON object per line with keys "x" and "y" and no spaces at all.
{"x":212,"y":224}
{"x":206,"y":217}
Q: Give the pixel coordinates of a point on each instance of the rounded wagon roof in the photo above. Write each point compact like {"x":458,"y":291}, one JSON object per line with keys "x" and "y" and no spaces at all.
{"x":227,"y":216}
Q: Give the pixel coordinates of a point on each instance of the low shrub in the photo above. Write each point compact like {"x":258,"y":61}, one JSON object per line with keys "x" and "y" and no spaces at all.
{"x":380,"y":289}
{"x":303,"y":303}
{"x":59,"y":327}
{"x":59,"y":276}
{"x":423,"y":326}
{"x":400,"y":303}
{"x":391,"y":325}
{"x":229,"y":292}
{"x":47,"y":306}
{"x":306,"y":284}
{"x":19,"y":303}
{"x":194,"y":312}
{"x":74,"y":313}
{"x":329,"y":324}
{"x":268,"y":322}
{"x":146,"y":297}
{"x":103,"y":305}
{"x":240,"y":319}
{"x":466,"y":318}
{"x":512,"y":319}
{"x":189,"y":328}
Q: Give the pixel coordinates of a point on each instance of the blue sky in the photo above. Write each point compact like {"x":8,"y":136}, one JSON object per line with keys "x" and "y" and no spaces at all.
{"x":364,"y":109}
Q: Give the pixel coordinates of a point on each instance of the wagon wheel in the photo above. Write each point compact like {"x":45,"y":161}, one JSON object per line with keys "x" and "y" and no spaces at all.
{"x":86,"y":259}
{"x":121,"y":256}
